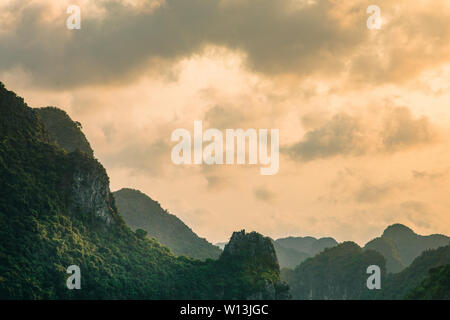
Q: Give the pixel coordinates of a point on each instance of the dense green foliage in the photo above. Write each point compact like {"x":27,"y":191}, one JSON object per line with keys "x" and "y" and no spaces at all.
{"x":436,"y":286}
{"x":398,"y":285}
{"x":256,"y":255}
{"x":44,"y":228}
{"x":141,"y":212}
{"x":335,"y":273}
{"x":62,"y":130}
{"x":56,"y":210}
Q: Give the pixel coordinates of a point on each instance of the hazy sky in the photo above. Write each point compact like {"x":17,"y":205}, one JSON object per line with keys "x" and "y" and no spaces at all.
{"x":364,"y":115}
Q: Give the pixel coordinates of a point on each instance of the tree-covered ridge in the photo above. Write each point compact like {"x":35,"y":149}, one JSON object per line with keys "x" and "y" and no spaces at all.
{"x":56,"y":210}
{"x":337,"y":273}
{"x":399,"y":285}
{"x":249,"y":254}
{"x":62,"y":130}
{"x":137,"y":209}
{"x":141,"y":212}
{"x":435,"y":287}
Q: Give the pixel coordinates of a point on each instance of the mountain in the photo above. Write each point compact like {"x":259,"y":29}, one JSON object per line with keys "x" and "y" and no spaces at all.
{"x":63,"y":130}
{"x":308,"y":245}
{"x":137,"y":209}
{"x":436,"y":286}
{"x":389,"y":250}
{"x":398,"y":285}
{"x":141,"y":212}
{"x":56,"y":210}
{"x":292,"y":251}
{"x":401,"y":245}
{"x":289,"y":257}
{"x":249,"y":254}
{"x":336,"y":273}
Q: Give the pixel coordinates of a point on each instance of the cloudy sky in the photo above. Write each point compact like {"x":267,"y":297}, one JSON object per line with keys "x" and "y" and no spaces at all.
{"x":364,"y":115}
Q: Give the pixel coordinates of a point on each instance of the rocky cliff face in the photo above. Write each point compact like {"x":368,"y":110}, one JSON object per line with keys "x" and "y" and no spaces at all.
{"x":88,"y":181}
{"x":252,"y":254}
{"x":252,"y":247}
{"x":89,"y":189}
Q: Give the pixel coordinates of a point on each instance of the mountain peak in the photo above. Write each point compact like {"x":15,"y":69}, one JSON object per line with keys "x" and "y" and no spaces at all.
{"x":398,"y":229}
{"x":64,"y":131}
{"x":251,"y":246}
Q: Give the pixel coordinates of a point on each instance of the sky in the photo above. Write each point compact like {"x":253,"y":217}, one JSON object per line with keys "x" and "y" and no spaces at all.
{"x":363,"y":114}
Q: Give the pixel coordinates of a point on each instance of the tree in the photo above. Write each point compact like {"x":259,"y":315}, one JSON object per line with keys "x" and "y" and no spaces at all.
{"x":141,"y":234}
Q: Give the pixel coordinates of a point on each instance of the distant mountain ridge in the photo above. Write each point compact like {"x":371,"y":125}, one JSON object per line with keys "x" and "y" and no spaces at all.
{"x":337,"y":273}
{"x":141,"y":212}
{"x":400,"y":245}
{"x":308,"y":245}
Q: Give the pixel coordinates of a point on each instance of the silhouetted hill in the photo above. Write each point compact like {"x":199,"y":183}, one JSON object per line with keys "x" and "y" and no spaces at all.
{"x":62,"y":130}
{"x":292,"y":251}
{"x":308,"y":245}
{"x":141,"y":212}
{"x":289,"y":257}
{"x":336,"y":273}
{"x":401,"y":245}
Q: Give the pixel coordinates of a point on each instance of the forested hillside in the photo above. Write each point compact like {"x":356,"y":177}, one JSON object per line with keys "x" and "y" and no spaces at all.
{"x":56,"y":210}
{"x":141,"y":212}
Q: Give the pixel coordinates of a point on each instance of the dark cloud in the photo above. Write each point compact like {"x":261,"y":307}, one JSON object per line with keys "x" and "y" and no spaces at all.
{"x":339,"y":136}
{"x":348,"y":135}
{"x":121,"y":43}
{"x":264,"y":194}
{"x":223,"y":118}
{"x":402,"y":130}
{"x":370,"y":193}
{"x":425,"y":175}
